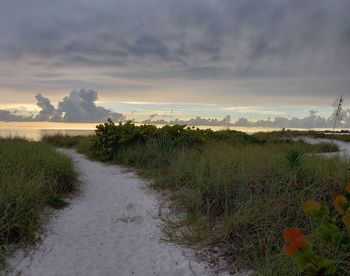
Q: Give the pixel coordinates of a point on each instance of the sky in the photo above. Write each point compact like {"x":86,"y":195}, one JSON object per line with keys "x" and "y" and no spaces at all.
{"x":164,"y":58}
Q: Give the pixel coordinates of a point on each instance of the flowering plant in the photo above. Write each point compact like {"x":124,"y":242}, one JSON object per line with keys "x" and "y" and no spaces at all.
{"x":333,"y":230}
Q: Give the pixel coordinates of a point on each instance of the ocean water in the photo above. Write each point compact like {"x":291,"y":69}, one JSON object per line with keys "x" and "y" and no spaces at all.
{"x":36,"y":130}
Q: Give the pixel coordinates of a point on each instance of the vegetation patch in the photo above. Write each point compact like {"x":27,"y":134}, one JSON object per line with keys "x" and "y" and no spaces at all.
{"x":32,"y":175}
{"x":331,"y":229}
{"x":236,"y":190}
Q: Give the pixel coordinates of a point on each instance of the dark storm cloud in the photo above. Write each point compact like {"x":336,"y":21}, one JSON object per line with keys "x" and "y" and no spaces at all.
{"x":303,"y":41}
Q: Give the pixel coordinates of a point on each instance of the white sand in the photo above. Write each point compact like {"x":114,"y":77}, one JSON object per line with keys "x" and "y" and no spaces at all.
{"x":109,"y":229}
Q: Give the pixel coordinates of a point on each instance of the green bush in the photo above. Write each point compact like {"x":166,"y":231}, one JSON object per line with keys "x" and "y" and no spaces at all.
{"x":331,"y":229}
{"x":111,"y":139}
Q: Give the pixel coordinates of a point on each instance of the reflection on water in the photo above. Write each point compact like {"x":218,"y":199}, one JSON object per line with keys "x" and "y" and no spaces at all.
{"x":36,"y":130}
{"x":37,"y":134}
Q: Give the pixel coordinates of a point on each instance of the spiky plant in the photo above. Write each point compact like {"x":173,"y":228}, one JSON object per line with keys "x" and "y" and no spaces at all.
{"x":294,"y":158}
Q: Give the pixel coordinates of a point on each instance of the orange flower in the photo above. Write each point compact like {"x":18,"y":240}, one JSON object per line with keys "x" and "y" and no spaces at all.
{"x":290,"y":250}
{"x":310,"y":207}
{"x":347,"y":187}
{"x":295,"y":240}
{"x":339,"y":199}
{"x":346,"y":219}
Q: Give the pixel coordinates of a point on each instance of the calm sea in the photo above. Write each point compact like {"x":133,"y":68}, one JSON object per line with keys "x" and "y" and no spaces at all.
{"x":36,"y":130}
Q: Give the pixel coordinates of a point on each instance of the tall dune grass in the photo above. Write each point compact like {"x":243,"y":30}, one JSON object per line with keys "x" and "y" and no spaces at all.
{"x":32,"y":175}
{"x":243,"y":197}
{"x":82,"y":144}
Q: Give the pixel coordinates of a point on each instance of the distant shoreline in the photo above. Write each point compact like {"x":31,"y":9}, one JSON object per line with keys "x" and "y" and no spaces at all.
{"x":36,"y":130}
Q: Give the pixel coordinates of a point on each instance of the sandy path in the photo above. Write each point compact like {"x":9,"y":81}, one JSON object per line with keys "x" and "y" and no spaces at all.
{"x":109,"y":229}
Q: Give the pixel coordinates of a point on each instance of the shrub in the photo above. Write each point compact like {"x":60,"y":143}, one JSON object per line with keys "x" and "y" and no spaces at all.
{"x":111,"y":139}
{"x":332,"y":231}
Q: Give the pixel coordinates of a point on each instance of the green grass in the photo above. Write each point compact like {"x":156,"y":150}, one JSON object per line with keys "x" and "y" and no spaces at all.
{"x":245,"y":196}
{"x":237,"y":192}
{"x":32,"y":175}
{"x":81,"y":143}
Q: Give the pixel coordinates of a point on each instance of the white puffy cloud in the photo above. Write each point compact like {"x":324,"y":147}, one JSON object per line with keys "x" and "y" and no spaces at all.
{"x":78,"y":106}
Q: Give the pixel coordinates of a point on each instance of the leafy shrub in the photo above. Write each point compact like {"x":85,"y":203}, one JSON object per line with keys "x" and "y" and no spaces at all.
{"x":332,"y":230}
{"x":111,"y":139}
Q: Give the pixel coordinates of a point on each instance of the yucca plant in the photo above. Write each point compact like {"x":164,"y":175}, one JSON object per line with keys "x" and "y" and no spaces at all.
{"x":294,"y":158}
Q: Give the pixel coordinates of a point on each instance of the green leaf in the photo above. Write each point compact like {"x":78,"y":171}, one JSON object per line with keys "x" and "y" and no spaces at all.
{"x":326,"y":263}
{"x":329,"y":233}
{"x":300,"y":260}
{"x":310,"y":268}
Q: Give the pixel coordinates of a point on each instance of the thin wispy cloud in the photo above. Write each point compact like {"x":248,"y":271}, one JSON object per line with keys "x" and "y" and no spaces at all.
{"x":254,"y":109}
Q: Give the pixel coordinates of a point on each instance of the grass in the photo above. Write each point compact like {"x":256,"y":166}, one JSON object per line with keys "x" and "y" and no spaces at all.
{"x":236,"y":193}
{"x":243,"y":197}
{"x":32,"y":175}
{"x":81,"y":143}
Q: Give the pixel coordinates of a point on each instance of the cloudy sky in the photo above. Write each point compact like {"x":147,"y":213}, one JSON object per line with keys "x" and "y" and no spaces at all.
{"x":257,"y":58}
